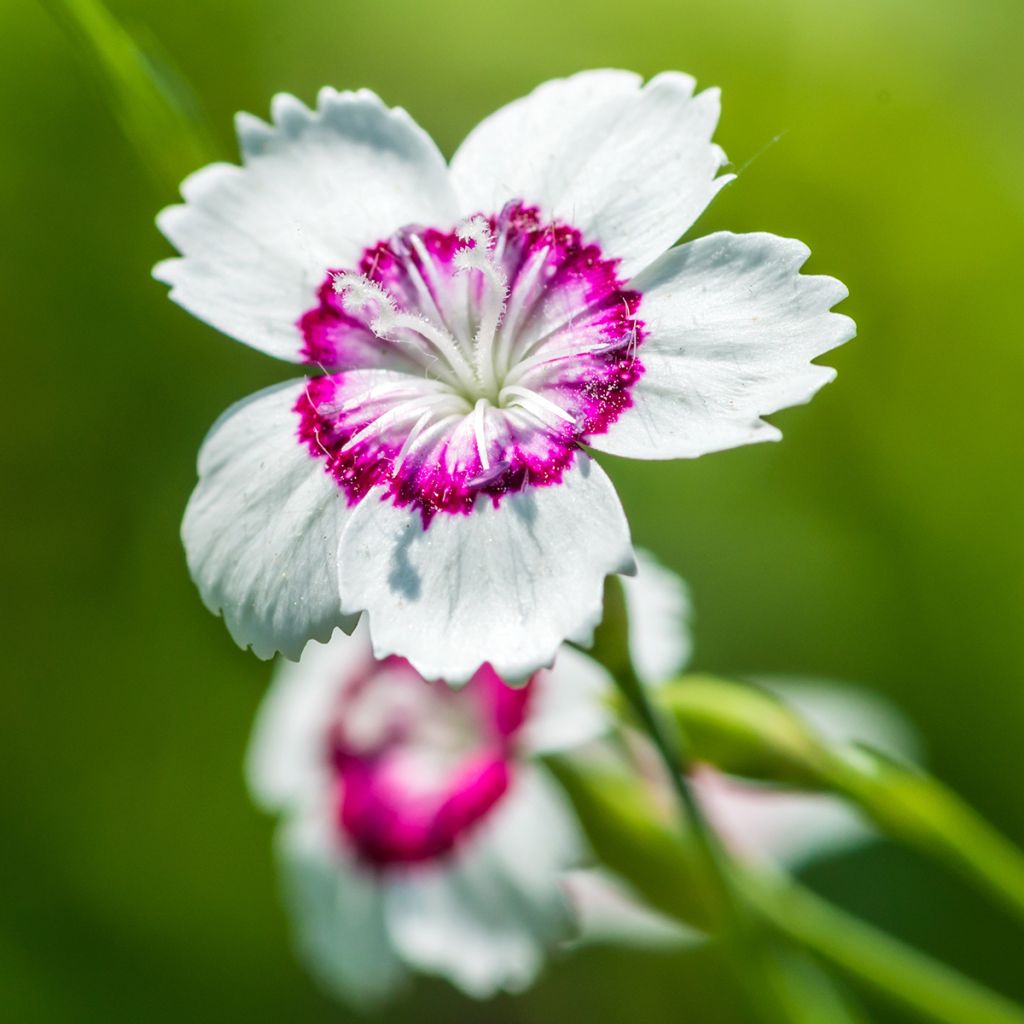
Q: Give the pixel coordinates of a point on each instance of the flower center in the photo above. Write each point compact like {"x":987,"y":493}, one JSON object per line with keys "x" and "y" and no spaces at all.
{"x":470,"y":366}
{"x":467,"y":362}
{"x":417,"y":765}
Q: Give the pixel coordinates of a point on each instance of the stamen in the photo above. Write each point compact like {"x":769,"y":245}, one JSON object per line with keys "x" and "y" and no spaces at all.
{"x":481,"y":257}
{"x":528,"y":398}
{"x":425,"y":289}
{"x":480,"y":429}
{"x":527,"y":345}
{"x":376,"y":393}
{"x":411,"y":439}
{"x":433,"y":283}
{"x":490,"y":475}
{"x":394,"y":415}
{"x":442,"y":341}
{"x":555,"y":355}
{"x":475,"y":336}
{"x":520,"y":306}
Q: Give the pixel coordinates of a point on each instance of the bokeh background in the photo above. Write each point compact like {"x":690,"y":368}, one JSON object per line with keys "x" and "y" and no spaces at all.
{"x":882,"y":542}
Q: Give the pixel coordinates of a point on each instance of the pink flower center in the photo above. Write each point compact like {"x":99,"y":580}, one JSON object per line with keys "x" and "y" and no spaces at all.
{"x":467,"y":362}
{"x":418,"y":765}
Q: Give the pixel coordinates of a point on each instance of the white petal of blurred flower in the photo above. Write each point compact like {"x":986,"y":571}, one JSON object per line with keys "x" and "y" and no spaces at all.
{"x":766,"y":823}
{"x":418,"y":833}
{"x":477,"y":328}
{"x":408,"y":809}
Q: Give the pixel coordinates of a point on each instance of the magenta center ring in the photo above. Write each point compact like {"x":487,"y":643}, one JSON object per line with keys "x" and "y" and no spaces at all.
{"x":467,"y":362}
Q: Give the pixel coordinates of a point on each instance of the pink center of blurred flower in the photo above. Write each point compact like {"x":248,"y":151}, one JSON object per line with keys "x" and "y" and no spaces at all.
{"x":418,"y":765}
{"x":467,"y":362}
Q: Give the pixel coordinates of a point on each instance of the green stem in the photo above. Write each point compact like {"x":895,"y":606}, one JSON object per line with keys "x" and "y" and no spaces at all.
{"x":734,"y":927}
{"x":746,"y":731}
{"x":919,"y":810}
{"x":745,"y":909}
{"x":807,"y":991}
{"x":905,"y":975}
{"x":668,"y":743}
{"x":611,"y":649}
{"x":626,"y":830}
{"x":732,"y":922}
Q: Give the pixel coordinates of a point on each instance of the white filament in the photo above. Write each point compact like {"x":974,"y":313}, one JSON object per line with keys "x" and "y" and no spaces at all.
{"x":481,"y":257}
{"x":410,"y":440}
{"x":359,"y":293}
{"x":397,"y":413}
{"x":528,"y":398}
{"x":480,"y":430}
{"x":520,"y":307}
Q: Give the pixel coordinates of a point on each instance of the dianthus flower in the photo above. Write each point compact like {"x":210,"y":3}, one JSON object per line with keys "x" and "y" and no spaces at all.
{"x":419,"y":832}
{"x":473,"y":332}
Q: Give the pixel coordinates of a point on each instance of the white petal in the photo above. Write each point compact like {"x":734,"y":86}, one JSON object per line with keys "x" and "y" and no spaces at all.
{"x":262,"y":526}
{"x":285,"y":766}
{"x":631,"y":166}
{"x":337,"y":912}
{"x":485,"y":919}
{"x":733,"y":329}
{"x":568,"y":706}
{"x":847,"y":714}
{"x":658,"y":603}
{"x":792,"y":828}
{"x":767,"y":825}
{"x":316,"y":188}
{"x":606,"y":911}
{"x":504,"y":585}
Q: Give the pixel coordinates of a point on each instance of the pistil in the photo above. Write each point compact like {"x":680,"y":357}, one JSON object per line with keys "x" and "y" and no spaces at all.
{"x":359,"y":293}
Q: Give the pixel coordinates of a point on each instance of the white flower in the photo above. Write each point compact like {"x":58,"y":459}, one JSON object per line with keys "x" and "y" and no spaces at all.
{"x":476,"y":330}
{"x":417,"y":834}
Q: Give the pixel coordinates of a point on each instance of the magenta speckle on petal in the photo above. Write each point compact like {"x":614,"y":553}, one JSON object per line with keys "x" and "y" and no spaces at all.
{"x":406,"y":371}
{"x":419,"y":766}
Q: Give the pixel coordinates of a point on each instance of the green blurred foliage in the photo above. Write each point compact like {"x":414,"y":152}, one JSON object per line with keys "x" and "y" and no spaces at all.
{"x":882,"y":542}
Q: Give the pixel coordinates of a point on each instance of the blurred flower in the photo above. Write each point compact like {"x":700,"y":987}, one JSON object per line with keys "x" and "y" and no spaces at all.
{"x":478,"y":328}
{"x":417,"y":833}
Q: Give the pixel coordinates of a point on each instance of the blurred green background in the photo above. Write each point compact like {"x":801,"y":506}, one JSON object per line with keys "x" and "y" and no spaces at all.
{"x":882,"y":542}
